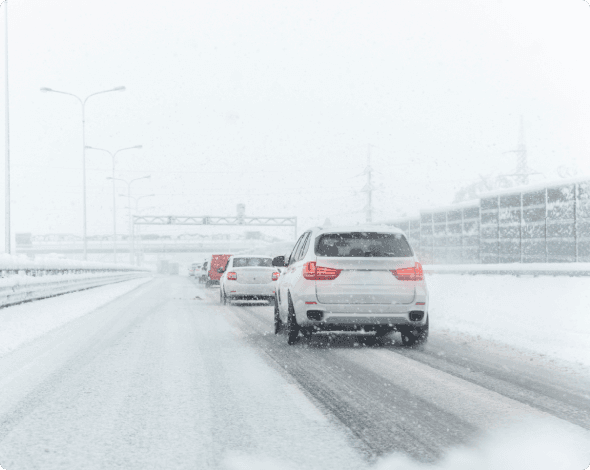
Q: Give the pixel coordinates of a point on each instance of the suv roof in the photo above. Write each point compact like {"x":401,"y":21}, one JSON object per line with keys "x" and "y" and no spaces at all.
{"x":359,"y":228}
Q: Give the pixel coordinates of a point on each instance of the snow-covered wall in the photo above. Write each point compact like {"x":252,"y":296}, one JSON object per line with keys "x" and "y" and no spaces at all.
{"x":530,"y":224}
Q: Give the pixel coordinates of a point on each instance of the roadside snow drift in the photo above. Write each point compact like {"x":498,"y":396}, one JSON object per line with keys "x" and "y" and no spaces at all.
{"x":546,"y":315}
{"x":22,"y":323}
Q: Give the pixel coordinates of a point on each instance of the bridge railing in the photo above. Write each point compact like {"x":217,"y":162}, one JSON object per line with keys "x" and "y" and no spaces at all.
{"x":23,"y":279}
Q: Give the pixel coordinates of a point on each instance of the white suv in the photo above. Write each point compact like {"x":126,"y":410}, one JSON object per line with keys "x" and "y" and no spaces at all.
{"x":359,"y":278}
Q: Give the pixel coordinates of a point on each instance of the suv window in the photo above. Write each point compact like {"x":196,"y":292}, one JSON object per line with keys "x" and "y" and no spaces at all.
{"x":304,"y":247}
{"x":363,"y":244}
{"x":292,"y":256}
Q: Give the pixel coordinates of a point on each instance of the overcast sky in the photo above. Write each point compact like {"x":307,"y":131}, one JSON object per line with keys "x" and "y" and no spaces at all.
{"x":275,"y":104}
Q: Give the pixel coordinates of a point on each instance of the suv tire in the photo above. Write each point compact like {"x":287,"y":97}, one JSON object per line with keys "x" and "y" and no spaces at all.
{"x":292,"y":326}
{"x":278,"y":322}
{"x":415,"y":335}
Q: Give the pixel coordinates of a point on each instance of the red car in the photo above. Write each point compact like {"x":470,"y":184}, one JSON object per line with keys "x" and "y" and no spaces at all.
{"x":213,"y":275}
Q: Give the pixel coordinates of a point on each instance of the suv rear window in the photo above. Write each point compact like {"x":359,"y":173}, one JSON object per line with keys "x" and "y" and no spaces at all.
{"x":244,"y":262}
{"x":363,"y":244}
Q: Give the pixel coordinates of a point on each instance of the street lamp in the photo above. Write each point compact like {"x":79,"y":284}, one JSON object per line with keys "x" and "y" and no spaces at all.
{"x":128,"y":183}
{"x":7,"y":234}
{"x":137,"y":199}
{"x":83,"y":104}
{"x":113,"y":155}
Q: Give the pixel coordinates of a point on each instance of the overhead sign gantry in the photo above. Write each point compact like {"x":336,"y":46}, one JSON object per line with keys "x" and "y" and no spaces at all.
{"x":238,"y":220}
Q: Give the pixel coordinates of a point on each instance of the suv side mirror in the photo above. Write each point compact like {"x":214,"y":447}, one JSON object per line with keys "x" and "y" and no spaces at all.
{"x":220,"y":270}
{"x":279,"y":261}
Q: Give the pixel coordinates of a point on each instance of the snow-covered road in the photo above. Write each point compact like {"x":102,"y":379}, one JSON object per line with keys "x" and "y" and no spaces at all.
{"x":165,"y":377}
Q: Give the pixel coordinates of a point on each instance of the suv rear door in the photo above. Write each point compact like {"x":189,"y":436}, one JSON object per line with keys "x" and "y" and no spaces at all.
{"x":365,"y":261}
{"x":292,"y":271}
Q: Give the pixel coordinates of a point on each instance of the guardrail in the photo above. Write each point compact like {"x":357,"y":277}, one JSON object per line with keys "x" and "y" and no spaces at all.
{"x":23,"y":280}
{"x":514,"y":269}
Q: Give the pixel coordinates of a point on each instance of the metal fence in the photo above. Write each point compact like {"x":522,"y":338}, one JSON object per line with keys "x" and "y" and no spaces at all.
{"x":534,"y":224}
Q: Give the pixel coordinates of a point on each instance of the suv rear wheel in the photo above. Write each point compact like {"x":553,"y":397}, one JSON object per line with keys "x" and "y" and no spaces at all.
{"x":292,"y":326}
{"x":278,"y":322}
{"x":415,"y":335}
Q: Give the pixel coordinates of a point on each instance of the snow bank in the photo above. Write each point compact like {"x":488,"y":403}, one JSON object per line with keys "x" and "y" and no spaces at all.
{"x":546,"y":315}
{"x":530,"y":446}
{"x":23,"y":323}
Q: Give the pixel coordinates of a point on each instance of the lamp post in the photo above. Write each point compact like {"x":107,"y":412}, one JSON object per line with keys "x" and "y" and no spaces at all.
{"x":113,"y":156}
{"x":137,"y":199}
{"x":7,"y":233}
{"x":128,"y":183}
{"x":83,"y":104}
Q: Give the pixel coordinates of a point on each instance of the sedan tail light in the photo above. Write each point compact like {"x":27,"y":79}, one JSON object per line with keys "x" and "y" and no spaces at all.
{"x":232,"y":276}
{"x":275,"y":276}
{"x":414,"y":273}
{"x":312,"y":272}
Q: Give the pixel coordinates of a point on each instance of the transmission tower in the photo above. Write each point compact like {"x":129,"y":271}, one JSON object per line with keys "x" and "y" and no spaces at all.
{"x":368,"y":188}
{"x":522,"y":168}
{"x":522,"y":172}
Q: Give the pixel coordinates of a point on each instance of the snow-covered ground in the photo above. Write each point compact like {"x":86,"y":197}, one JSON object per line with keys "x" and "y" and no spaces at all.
{"x":168,"y":377}
{"x":545,"y":315}
{"x":22,"y":323}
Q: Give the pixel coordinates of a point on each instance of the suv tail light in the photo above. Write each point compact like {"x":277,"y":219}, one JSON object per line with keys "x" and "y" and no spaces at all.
{"x":232,"y":276}
{"x":312,"y":272}
{"x":414,"y":273}
{"x":275,"y":276}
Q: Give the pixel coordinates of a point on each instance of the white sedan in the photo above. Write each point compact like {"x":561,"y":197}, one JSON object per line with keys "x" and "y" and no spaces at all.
{"x":248,"y":277}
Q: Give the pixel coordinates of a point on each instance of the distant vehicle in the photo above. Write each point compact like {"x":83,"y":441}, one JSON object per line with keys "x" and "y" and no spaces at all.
{"x":248,"y":277}
{"x":359,"y":279}
{"x":213,"y":274}
{"x":202,"y":275}
{"x":194,"y":269}
{"x":163,"y":266}
{"x":173,"y":268}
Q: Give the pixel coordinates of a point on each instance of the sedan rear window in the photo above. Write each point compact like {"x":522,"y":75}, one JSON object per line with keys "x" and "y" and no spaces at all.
{"x":245,"y":262}
{"x":363,"y":244}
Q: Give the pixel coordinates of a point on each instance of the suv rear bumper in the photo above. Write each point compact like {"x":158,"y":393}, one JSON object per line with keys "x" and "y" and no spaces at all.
{"x":353,"y":321}
{"x":354,"y":316}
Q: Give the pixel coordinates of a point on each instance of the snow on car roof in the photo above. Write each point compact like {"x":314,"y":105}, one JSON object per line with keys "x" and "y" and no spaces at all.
{"x":251,"y":256}
{"x":361,"y":228}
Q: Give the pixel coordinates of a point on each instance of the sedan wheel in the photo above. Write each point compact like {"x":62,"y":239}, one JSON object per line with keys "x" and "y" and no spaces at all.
{"x":222,"y":297}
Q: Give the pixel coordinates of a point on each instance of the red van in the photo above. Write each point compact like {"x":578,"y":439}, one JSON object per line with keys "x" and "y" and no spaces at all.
{"x":217,"y":261}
